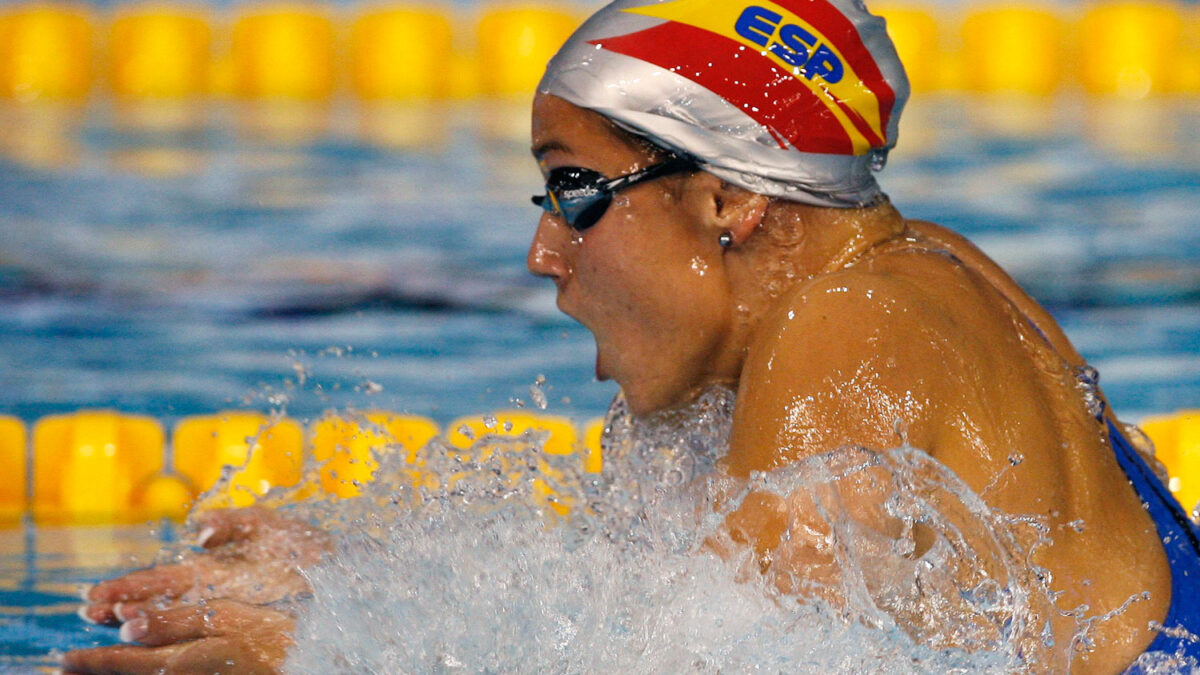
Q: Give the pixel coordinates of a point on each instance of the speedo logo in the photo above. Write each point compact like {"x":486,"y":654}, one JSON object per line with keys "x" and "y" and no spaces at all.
{"x":577,"y":193}
{"x":791,"y":43}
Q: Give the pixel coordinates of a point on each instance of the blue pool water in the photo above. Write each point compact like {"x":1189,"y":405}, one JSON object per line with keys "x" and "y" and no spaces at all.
{"x":41,"y":571}
{"x":174,"y":262}
{"x":170,"y":266}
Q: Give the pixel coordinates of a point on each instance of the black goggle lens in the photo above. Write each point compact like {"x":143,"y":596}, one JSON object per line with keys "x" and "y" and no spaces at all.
{"x":576,"y":194}
{"x":581,"y":196}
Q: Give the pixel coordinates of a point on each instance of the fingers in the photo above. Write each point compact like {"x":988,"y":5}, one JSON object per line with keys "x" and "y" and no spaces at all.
{"x":105,"y":614}
{"x":216,"y":529}
{"x":212,"y":619}
{"x":262,"y":533}
{"x":157,"y":588}
{"x":254,"y":556}
{"x":142,"y":585}
{"x":222,"y":526}
{"x":209,"y":656}
{"x":121,"y":660}
{"x":120,"y":612}
{"x":217,"y":637}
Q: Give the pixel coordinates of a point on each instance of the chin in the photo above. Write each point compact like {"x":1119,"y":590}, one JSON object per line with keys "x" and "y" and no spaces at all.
{"x":604,"y":371}
{"x":641,"y":397}
{"x":638,"y":403}
{"x":601,"y":374}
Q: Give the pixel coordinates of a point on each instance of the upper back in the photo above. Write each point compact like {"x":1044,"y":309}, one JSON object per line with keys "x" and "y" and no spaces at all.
{"x":927,"y":338}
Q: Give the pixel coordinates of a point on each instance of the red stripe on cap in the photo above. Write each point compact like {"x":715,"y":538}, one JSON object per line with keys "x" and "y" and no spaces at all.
{"x":830,"y":22}
{"x":861,"y":124}
{"x":753,"y":83}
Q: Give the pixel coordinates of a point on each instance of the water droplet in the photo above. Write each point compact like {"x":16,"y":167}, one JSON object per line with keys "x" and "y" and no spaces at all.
{"x":1087,"y":380}
{"x":537,"y":394}
{"x":877,"y":159}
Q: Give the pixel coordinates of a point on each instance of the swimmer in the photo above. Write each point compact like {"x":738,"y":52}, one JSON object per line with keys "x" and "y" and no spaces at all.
{"x":711,"y":216}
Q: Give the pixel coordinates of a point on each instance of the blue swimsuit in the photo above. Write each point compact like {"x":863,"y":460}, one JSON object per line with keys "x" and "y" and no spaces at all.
{"x":1181,"y":542}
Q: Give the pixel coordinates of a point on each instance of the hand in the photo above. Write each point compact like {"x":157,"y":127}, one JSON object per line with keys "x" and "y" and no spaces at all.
{"x":799,"y":540}
{"x":252,"y":555}
{"x":218,"y":636}
{"x":790,"y":540}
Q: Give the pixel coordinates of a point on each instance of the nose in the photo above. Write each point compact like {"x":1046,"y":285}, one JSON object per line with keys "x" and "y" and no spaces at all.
{"x":548,"y":252}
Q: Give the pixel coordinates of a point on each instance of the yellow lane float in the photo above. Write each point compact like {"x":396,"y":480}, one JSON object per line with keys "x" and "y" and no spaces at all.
{"x":100,"y":466}
{"x":401,"y":53}
{"x":160,"y":51}
{"x":1131,"y":49}
{"x":514,"y":45}
{"x":562,"y":440}
{"x":347,"y":447}
{"x":283,"y":51}
{"x":92,"y":466}
{"x":1177,"y":445}
{"x":404,"y":52}
{"x":261,"y":452}
{"x":45,"y":51}
{"x":1013,"y":49}
{"x":13,"y":469}
{"x":1187,"y":71}
{"x":165,"y":496}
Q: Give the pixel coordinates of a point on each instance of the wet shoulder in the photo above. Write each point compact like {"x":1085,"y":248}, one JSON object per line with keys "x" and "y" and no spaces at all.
{"x":844,"y":357}
{"x":907,"y":288}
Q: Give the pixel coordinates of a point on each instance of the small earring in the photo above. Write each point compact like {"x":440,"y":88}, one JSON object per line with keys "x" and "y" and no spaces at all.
{"x":726,"y":239}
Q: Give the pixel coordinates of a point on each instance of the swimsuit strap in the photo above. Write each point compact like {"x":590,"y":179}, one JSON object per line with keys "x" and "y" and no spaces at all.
{"x":1181,"y":543}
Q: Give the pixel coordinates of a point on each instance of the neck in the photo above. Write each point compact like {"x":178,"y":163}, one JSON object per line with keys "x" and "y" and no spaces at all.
{"x":812,"y":240}
{"x":796,"y":243}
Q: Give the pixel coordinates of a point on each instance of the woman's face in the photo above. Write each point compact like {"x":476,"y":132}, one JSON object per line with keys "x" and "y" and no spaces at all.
{"x":647,"y":279}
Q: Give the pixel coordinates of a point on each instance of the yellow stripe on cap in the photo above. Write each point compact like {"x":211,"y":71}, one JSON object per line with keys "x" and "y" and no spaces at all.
{"x":721,"y":17}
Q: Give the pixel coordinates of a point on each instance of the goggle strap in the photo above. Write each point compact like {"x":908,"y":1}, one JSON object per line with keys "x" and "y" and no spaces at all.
{"x":673,"y":165}
{"x":605,"y":190}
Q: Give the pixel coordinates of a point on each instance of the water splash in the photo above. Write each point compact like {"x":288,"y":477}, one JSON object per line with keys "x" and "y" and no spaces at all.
{"x":1087,"y":381}
{"x":536,"y":392}
{"x":502,"y":559}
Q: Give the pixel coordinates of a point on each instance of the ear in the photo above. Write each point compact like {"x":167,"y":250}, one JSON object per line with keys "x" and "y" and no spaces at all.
{"x":722,"y":207}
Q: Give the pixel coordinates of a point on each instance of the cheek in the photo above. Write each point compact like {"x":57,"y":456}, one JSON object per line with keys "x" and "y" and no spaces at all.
{"x":611,"y":287}
{"x":654,"y":284}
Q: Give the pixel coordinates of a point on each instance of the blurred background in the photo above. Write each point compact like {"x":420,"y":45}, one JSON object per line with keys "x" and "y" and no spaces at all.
{"x":298,"y":207}
{"x":292,"y":208}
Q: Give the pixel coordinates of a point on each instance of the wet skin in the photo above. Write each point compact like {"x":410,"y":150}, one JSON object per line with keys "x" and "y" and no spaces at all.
{"x":834,"y":324}
{"x":831,"y":324}
{"x":210,"y":613}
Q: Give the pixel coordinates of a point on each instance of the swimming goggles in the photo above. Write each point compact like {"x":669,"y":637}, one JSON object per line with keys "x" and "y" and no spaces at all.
{"x":581,"y":196}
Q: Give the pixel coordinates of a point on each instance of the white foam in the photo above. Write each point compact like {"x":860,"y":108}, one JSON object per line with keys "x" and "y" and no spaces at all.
{"x":474,"y":574}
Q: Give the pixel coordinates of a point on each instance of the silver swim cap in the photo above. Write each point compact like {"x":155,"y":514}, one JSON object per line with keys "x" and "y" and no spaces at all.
{"x":798,"y":99}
